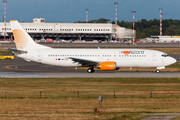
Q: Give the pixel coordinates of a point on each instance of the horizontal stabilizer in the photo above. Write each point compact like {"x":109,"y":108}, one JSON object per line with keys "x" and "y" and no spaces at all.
{"x":17,"y":51}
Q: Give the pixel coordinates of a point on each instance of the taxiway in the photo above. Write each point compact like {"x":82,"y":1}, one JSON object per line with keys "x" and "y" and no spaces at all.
{"x":101,"y":45}
{"x":19,"y":68}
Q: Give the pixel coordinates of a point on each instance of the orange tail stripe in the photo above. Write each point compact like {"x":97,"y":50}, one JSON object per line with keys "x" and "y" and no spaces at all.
{"x":20,"y":38}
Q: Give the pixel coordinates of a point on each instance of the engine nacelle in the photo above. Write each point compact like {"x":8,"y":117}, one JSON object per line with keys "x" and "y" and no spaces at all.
{"x":110,"y":65}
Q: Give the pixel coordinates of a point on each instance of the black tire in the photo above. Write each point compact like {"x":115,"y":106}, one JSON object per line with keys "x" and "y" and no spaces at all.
{"x":90,"y":70}
{"x":157,"y":71}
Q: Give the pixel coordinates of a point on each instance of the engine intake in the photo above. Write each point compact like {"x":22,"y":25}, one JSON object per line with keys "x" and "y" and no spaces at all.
{"x":110,"y":65}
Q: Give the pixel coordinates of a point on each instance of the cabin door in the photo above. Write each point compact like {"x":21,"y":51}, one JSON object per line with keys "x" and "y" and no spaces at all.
{"x":40,"y":56}
{"x":154,"y":56}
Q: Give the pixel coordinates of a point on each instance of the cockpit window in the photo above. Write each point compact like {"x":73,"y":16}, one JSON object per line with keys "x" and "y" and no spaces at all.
{"x":165,"y":55}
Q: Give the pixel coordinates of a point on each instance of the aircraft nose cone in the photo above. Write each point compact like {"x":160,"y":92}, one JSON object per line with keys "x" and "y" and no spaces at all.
{"x":169,"y":61}
{"x":173,"y":60}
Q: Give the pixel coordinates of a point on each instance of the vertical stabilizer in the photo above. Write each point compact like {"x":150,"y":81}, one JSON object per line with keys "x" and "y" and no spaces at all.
{"x":22,"y":39}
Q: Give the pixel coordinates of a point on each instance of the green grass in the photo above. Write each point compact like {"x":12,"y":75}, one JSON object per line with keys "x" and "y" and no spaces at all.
{"x":4,"y":51}
{"x":175,"y":65}
{"x":178,"y":118}
{"x":59,"y":98}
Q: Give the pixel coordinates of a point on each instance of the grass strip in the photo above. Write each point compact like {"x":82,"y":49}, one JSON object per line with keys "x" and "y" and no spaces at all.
{"x":124,"y":98}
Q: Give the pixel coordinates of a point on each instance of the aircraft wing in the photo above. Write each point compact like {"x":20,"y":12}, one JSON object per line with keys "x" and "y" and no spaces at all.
{"x":85,"y":62}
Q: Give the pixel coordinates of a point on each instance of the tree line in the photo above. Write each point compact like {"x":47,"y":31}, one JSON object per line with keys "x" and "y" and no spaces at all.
{"x":145,"y":28}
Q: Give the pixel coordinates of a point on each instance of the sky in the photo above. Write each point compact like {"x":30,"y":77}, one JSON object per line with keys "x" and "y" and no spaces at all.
{"x":69,"y":11}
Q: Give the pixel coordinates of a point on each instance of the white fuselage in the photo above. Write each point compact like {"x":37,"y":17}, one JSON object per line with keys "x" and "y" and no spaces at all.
{"x":104,"y":59}
{"x":122,"y":57}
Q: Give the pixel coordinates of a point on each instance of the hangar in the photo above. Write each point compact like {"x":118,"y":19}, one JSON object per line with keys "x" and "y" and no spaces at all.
{"x":70,"y":31}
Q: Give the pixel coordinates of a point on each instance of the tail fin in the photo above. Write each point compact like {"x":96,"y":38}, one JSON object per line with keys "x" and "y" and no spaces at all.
{"x":22,"y":39}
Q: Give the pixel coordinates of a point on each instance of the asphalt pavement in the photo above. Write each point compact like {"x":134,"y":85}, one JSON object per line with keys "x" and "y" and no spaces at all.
{"x":21,"y":68}
{"x":101,"y":45}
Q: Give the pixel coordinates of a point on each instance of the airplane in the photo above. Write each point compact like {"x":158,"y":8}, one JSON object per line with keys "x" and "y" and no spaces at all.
{"x":103,"y":59}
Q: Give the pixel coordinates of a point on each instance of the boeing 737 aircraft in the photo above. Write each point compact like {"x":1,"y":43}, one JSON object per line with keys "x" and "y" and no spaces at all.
{"x":104,"y":59}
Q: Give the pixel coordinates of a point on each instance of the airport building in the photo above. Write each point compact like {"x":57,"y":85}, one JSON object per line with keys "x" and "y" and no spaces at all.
{"x":168,"y":39}
{"x":38,"y":29}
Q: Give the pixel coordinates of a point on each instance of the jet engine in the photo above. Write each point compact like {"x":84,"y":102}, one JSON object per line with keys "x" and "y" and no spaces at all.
{"x":110,"y":65}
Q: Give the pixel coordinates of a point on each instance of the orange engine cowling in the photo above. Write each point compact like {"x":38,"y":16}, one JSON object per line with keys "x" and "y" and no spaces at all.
{"x":110,"y":65}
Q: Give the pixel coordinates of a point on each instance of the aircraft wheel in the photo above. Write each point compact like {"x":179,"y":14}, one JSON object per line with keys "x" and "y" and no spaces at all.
{"x":157,"y":71}
{"x":90,"y":70}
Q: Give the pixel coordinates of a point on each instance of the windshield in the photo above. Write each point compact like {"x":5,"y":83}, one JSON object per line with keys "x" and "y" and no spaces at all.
{"x":165,"y":55}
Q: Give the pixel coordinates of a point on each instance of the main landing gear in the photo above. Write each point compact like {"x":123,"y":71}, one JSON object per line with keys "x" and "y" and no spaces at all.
{"x":90,"y":70}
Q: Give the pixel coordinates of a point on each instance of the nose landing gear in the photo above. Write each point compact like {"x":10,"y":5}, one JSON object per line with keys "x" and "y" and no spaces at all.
{"x":157,"y":71}
{"x":158,"y":68}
